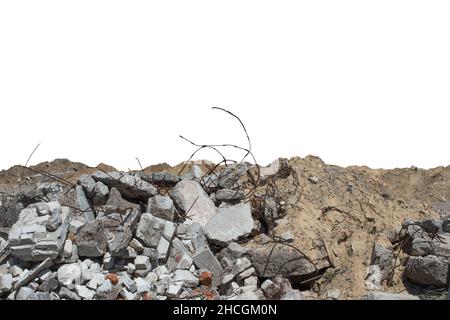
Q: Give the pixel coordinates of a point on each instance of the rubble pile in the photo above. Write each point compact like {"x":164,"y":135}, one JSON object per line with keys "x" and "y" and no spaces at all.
{"x":204,"y":235}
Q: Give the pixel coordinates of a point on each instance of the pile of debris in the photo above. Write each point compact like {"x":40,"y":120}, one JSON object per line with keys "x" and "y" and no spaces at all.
{"x":296,"y":229}
{"x":132,"y":236}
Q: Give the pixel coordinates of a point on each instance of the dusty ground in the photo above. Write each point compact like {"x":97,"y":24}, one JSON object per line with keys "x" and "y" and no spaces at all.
{"x":345,"y":208}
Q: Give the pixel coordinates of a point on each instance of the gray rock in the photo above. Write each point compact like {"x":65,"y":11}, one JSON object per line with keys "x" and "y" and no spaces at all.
{"x":292,"y":295}
{"x":68,"y":249}
{"x":128,"y":283}
{"x":374,"y":277}
{"x":142,"y":285}
{"x":428,"y":270}
{"x":69,"y":274}
{"x":130,"y":186}
{"x":40,"y":296}
{"x":136,"y":245}
{"x":24,"y":293}
{"x":161,"y":207}
{"x":229,"y":195}
{"x":189,"y":195}
{"x":142,"y":263}
{"x":251,"y":295}
{"x":87,"y":183}
{"x":230,"y":224}
{"x":377,"y":295}
{"x":173,"y":291}
{"x":446,"y":224}
{"x":65,"y":293}
{"x":83,"y":204}
{"x":161,"y":178}
{"x":382,"y":257}
{"x":151,"y":229}
{"x":29,"y":238}
{"x":441,"y":246}
{"x":185,"y":278}
{"x":431,"y":225}
{"x":6,"y":281}
{"x":205,"y":259}
{"x":333,"y":294}
{"x":180,"y":257}
{"x":196,"y":234}
{"x":91,"y":238}
{"x":84,"y":292}
{"x":100,"y":194}
{"x":49,"y":284}
{"x":419,"y":247}
{"x":163,"y":250}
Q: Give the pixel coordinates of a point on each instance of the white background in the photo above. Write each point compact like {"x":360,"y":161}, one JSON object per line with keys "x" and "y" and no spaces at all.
{"x":353,"y":82}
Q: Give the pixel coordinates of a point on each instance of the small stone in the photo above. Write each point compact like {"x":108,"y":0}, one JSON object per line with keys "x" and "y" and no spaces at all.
{"x":68,"y":249}
{"x":6,"y":283}
{"x":128,"y":283}
{"x":142,"y":263}
{"x":333,"y":294}
{"x":69,"y":274}
{"x":24,"y":293}
{"x":185,"y":278}
{"x":65,"y":293}
{"x":84,"y":292}
{"x":287,"y":237}
{"x":136,"y":245}
{"x":141,"y":285}
{"x":173,"y":291}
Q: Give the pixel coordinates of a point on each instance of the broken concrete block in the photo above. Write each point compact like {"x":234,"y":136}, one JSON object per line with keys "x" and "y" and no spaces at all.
{"x":24,"y":293}
{"x":6,"y":281}
{"x":205,"y":259}
{"x":29,"y":238}
{"x":83,"y":205}
{"x":189,"y":195}
{"x":185,"y":278}
{"x":100,"y":194}
{"x":161,"y":207}
{"x":374,"y":295}
{"x":69,"y":274}
{"x":428,"y":270}
{"x":180,"y":257}
{"x":84,"y":292}
{"x":130,"y":186}
{"x":151,"y":229}
{"x":65,"y":293}
{"x":142,"y":263}
{"x":230,"y":224}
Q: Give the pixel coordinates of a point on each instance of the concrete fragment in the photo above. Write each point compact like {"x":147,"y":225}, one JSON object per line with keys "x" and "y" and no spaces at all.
{"x":65,"y":293}
{"x":6,"y":281}
{"x":24,"y":293}
{"x":84,"y":292}
{"x":376,"y":295}
{"x":230,"y":224}
{"x":205,"y":259}
{"x":428,"y":270}
{"x":130,"y":186}
{"x":185,"y":279}
{"x":69,"y":274}
{"x":161,"y":207}
{"x":189,"y":195}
